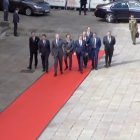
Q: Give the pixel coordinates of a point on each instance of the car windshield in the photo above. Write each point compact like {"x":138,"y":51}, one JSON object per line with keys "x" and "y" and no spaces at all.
{"x":36,"y":0}
{"x":134,"y":5}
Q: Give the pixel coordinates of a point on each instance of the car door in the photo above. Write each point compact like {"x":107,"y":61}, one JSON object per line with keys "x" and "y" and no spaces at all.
{"x":134,"y":8}
{"x":13,"y":4}
{"x":120,"y":10}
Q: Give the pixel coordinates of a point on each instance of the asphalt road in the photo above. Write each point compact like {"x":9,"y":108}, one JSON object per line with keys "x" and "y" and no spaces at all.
{"x":14,"y":52}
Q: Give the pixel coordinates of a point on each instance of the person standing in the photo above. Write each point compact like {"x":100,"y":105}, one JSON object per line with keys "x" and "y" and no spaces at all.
{"x":89,"y":36}
{"x":33,"y":48}
{"x":44,"y":51}
{"x":16,"y":21}
{"x":85,"y":57}
{"x":109,"y":42}
{"x":80,"y":51}
{"x":68,"y":51}
{"x":82,"y":4}
{"x":89,"y":33}
{"x":133,"y":27}
{"x":95,"y":44}
{"x":57,"y":52}
{"x":5,"y":9}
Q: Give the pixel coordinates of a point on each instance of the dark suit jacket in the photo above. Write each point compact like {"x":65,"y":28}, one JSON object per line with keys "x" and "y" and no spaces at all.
{"x":57,"y":50}
{"x":80,"y":49}
{"x":68,"y":46}
{"x":6,"y":5}
{"x":15,"y":17}
{"x":33,"y":44}
{"x":44,"y":49}
{"x":83,"y":1}
{"x":98,"y":44}
{"x":89,"y":37}
{"x":107,"y":44}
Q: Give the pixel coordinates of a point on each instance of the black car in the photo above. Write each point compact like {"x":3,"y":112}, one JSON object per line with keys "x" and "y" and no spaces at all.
{"x":120,"y":9}
{"x":29,"y":7}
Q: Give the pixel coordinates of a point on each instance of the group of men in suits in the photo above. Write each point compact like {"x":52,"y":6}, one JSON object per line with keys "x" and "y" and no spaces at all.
{"x":86,"y":47}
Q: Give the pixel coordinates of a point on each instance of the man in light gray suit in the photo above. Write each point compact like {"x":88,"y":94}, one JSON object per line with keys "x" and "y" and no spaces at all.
{"x":57,"y":53}
{"x":5,"y":9}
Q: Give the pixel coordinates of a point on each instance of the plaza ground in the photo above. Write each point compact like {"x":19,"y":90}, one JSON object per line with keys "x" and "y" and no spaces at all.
{"x":106,"y":106}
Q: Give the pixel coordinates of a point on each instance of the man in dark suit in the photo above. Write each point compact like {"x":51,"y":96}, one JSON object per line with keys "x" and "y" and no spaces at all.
{"x":85,"y":57}
{"x":82,"y":4}
{"x":44,"y":51}
{"x":89,"y":35}
{"x":5,"y":9}
{"x":80,"y":51}
{"x":33,"y":48}
{"x":109,"y":42}
{"x":57,"y":53}
{"x":95,"y":44}
{"x":15,"y":21}
{"x":68,"y":51}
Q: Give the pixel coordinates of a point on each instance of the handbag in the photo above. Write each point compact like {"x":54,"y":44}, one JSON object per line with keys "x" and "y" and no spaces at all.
{"x":137,"y":34}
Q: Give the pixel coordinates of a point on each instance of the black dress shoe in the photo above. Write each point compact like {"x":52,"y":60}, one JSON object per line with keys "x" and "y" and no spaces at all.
{"x":16,"y":35}
{"x":46,"y":71}
{"x":55,"y":74}
{"x":66,"y":68}
{"x":29,"y":68}
{"x":96,"y":68}
{"x":35,"y":67}
{"x":43,"y":70}
{"x":109,"y":65}
{"x":106,"y":66}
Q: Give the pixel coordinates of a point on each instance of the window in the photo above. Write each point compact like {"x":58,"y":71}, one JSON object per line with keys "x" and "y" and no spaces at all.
{"x":15,"y":0}
{"x":134,"y":5}
{"x":120,"y":6}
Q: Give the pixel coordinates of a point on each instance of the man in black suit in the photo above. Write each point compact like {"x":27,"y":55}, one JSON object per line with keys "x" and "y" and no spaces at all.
{"x":5,"y":9}
{"x":109,"y":42}
{"x":89,"y":35}
{"x":85,"y":57}
{"x":33,"y":48}
{"x":15,"y":21}
{"x":44,"y":51}
{"x":68,"y":51}
{"x":95,"y":44}
{"x":82,"y":4}
{"x":57,"y":53}
{"x":80,"y":51}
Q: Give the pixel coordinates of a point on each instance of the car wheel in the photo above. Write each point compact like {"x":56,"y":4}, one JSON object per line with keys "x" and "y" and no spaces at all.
{"x":28,"y":12}
{"x":110,"y":18}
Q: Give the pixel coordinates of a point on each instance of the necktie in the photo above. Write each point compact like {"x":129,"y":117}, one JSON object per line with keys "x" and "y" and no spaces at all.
{"x":57,"y":42}
{"x":109,"y":39}
{"x":94,"y":42}
{"x":80,"y":42}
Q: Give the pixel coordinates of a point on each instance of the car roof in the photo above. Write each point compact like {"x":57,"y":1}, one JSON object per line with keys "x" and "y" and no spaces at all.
{"x":126,"y":1}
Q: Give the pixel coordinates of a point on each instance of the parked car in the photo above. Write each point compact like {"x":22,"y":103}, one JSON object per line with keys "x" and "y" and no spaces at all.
{"x":119,"y":9}
{"x":29,"y":7}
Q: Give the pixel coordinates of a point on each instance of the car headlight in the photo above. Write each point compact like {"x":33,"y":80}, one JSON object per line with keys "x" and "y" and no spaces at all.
{"x":38,"y":7}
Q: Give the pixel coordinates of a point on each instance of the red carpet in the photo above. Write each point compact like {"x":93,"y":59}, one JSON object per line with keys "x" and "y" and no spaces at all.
{"x":31,"y":112}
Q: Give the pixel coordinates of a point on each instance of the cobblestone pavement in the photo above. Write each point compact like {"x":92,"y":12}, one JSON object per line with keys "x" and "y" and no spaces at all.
{"x":14,"y":51}
{"x":106,"y":106}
